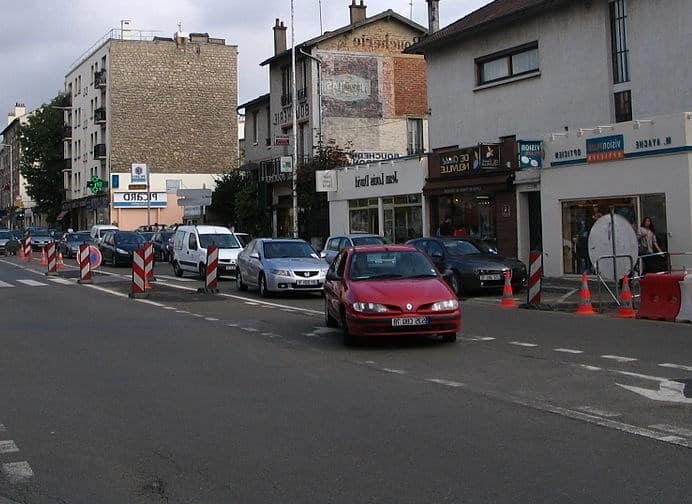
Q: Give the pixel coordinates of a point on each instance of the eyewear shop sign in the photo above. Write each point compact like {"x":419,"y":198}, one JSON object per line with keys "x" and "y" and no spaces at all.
{"x":530,"y":154}
{"x":609,"y":148}
{"x":139,"y":200}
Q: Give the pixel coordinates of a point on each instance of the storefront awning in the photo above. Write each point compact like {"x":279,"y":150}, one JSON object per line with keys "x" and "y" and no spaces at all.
{"x":472,"y":184}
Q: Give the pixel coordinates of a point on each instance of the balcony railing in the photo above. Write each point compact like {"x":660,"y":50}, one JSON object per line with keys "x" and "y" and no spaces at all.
{"x":100,"y":79}
{"x":100,"y":151}
{"x":67,"y":131}
{"x":100,"y":115}
{"x":286,"y":99}
{"x":68,"y":165}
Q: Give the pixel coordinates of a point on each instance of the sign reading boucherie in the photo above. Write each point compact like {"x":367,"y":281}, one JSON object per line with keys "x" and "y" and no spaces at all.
{"x":139,"y":200}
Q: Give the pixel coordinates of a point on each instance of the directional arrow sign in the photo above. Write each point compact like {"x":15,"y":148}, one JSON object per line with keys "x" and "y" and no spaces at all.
{"x":668,"y":391}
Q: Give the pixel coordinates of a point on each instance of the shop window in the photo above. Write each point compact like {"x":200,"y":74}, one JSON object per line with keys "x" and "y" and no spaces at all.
{"x":363,"y":216}
{"x":471,"y":216}
{"x":623,"y":106}
{"x":654,"y":206}
{"x":510,"y":63}
{"x":403,"y":218}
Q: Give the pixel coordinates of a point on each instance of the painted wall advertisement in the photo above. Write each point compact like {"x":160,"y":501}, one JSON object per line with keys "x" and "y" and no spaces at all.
{"x":350,"y":86}
{"x":530,"y":154}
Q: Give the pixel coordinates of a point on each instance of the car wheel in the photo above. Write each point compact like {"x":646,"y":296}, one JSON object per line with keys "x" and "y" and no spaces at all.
{"x":449,"y":338}
{"x":329,"y":321}
{"x":455,"y":283}
{"x":177,"y":270}
{"x":263,"y":291}
{"x":349,"y":339}
{"x":239,"y":281}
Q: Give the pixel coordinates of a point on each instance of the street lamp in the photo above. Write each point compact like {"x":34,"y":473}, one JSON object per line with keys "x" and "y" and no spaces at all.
{"x":11,"y":179}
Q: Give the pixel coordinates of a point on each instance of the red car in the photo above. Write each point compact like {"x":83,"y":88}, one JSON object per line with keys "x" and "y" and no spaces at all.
{"x":389,"y":290}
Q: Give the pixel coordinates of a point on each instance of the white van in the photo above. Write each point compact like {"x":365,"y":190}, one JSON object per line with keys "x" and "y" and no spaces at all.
{"x":190,"y":249}
{"x":99,"y":230}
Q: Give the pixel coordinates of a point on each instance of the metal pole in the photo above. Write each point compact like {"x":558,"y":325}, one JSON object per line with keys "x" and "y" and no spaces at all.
{"x":615,"y":261}
{"x":295,"y":124}
{"x":148,"y":199}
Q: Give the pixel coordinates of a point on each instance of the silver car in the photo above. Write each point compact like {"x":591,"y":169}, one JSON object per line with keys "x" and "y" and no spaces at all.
{"x":280,"y":265}
{"x":336,"y":244}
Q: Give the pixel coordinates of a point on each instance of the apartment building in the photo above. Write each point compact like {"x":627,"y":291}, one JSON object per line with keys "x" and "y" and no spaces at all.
{"x":166,"y":103}
{"x":515,"y":73}
{"x":354,"y":87}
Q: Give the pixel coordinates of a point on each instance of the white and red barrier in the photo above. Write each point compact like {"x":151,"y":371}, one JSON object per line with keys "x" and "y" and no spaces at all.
{"x":212,"y":268}
{"x":28,"y":254}
{"x":149,"y":261}
{"x":52,"y":259}
{"x":84,"y":261}
{"x":533,"y":294}
{"x":139,"y":275}
{"x":685,"y":313}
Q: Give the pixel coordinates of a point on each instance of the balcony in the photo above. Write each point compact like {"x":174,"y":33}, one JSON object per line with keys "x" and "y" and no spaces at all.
{"x":67,"y":131}
{"x":286,"y":99}
{"x":100,"y":79}
{"x":100,"y":151}
{"x":100,"y":115}
{"x":68,"y":165}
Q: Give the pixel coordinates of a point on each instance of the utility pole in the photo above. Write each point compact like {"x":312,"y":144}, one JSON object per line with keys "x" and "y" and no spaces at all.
{"x":11,"y":210}
{"x":295,"y":124}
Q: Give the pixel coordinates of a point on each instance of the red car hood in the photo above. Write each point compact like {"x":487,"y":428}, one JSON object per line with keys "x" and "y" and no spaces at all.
{"x":417,"y":291}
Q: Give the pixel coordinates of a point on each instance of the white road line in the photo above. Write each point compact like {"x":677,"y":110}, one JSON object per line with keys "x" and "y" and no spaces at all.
{"x":152,"y":303}
{"x":562,"y":299}
{"x":477,"y":338}
{"x":596,"y":411}
{"x":2,"y":428}
{"x":522,"y":344}
{"x":448,"y":383}
{"x":590,"y":368}
{"x":249,"y":329}
{"x":5,"y":284}
{"x":393,"y":371}
{"x":211,"y":319}
{"x":170,"y":308}
{"x":8,"y":447}
{"x":176,"y":279}
{"x":568,"y":350}
{"x":232,"y":325}
{"x":639,"y":375}
{"x":61,"y":281}
{"x":676,"y":366}
{"x":680,"y":431}
{"x":32,"y":283}
{"x":618,"y":358}
{"x":17,"y":472}
{"x":197,"y":315}
{"x":108,"y":291}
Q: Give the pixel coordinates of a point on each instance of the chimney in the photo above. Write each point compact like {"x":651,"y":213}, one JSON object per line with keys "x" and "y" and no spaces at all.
{"x":433,"y":16}
{"x":357,"y":11}
{"x":19,"y":111}
{"x":279,"y":37}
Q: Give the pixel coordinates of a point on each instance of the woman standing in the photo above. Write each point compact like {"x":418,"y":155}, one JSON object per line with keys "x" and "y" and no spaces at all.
{"x":648,"y":245}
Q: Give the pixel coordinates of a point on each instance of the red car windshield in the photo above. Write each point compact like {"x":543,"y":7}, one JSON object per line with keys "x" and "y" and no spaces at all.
{"x":390,"y":264}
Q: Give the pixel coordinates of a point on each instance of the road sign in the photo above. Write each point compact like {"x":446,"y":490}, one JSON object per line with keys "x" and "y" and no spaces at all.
{"x":282,"y":140}
{"x":95,"y":257}
{"x":194,"y":193}
{"x":189,"y":202}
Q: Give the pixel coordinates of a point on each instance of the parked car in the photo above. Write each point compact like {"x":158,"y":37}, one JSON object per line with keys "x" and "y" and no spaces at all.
{"x":470,"y":265}
{"x":68,"y":246}
{"x":389,"y":290}
{"x":336,"y":244}
{"x":190,"y":249}
{"x":280,"y":265}
{"x":7,"y":240}
{"x":117,"y":246}
{"x":148,"y":235}
{"x":163,"y":245}
{"x":98,"y":230}
{"x":40,"y":237}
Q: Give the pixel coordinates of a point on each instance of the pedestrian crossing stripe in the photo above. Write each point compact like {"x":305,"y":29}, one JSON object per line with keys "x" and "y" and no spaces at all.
{"x":35,"y":283}
{"x":5,"y":284}
{"x":32,"y":283}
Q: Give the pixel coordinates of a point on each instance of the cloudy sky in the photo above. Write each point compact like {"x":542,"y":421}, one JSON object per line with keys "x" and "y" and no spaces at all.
{"x":39,"y":39}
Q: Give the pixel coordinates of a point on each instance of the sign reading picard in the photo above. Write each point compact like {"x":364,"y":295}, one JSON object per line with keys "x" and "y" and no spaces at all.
{"x":139,"y":199}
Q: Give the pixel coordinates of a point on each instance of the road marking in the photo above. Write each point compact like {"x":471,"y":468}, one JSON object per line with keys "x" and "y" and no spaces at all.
{"x":676,"y":366}
{"x":176,"y":279}
{"x":211,"y":319}
{"x":477,"y":338}
{"x":8,"y":447}
{"x":108,"y":291}
{"x":568,"y":350}
{"x":668,"y":391}
{"x":197,"y":315}
{"x":596,"y":411}
{"x":32,"y":283}
{"x":589,"y":368}
{"x":639,"y":375}
{"x":61,"y":281}
{"x":232,"y":325}
{"x":562,"y":299}
{"x":448,"y":383}
{"x":170,"y":308}
{"x":5,"y":284}
{"x":680,"y":431}
{"x":393,"y":371}
{"x":618,"y":358}
{"x":152,"y":303}
{"x":17,"y":472}
{"x":2,"y":428}
{"x":249,"y":329}
{"x":522,"y":344}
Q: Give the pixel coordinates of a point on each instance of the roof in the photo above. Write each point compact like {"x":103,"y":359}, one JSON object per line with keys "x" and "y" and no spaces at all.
{"x":492,"y":15}
{"x":388,"y":14}
{"x":254,"y":101}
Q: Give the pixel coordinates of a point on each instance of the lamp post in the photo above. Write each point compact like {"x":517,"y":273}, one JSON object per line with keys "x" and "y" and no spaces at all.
{"x":295,"y":125}
{"x":11,"y":181}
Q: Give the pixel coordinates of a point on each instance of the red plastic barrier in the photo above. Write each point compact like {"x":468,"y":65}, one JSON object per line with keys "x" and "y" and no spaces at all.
{"x":660,"y":296}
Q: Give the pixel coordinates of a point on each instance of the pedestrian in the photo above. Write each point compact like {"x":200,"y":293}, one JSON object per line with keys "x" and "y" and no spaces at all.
{"x":648,"y":245}
{"x":445,"y":228}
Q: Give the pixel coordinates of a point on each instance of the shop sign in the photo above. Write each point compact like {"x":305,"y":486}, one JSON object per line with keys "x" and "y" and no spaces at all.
{"x":285,"y":117}
{"x":530,"y":154}
{"x":139,"y":200}
{"x":138,"y":173}
{"x":325,"y":181}
{"x":373,"y":157}
{"x":489,"y":155}
{"x":282,"y":140}
{"x":652,"y":143}
{"x":461,"y":162}
{"x":376,"y":180}
{"x":286,"y":164}
{"x":609,"y":148}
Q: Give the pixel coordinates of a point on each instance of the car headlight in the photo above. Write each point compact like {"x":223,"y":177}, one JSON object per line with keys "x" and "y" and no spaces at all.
{"x":281,"y":272}
{"x":121,"y":251}
{"x":369,"y":307}
{"x":447,"y":305}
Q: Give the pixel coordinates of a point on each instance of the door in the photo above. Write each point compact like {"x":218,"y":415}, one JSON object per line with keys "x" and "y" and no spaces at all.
{"x":254,"y":265}
{"x":333,"y":289}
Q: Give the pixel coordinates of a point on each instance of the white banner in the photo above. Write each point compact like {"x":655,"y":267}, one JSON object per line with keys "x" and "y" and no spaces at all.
{"x":325,"y":181}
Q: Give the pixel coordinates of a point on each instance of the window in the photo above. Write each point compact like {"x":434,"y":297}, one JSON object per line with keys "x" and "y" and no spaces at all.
{"x":255,"y":127}
{"x":363,"y":216}
{"x":623,"y":106}
{"x":513,"y":62}
{"x":414,"y":132}
{"x":618,"y":41}
{"x":286,"y":85}
{"x":268,"y":140}
{"x":192,"y":242}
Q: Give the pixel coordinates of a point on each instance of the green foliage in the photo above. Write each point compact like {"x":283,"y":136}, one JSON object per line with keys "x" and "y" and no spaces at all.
{"x":42,"y":157}
{"x":235,"y":202}
{"x":224,"y":195}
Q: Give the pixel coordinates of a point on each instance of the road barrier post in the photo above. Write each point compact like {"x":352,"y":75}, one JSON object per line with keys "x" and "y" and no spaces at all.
{"x":84,"y":264}
{"x":52,"y":259}
{"x":139,"y":275}
{"x":211,"y":271}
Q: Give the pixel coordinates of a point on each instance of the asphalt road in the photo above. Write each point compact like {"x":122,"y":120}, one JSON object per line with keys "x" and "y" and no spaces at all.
{"x":185,"y":397}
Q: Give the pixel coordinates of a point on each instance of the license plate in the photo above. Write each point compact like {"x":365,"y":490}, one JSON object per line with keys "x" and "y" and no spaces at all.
{"x":409,"y":321}
{"x":307,"y":282}
{"x":491,"y":277}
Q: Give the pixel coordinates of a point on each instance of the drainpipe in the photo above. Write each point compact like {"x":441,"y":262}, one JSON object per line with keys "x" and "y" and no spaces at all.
{"x":319,"y":90}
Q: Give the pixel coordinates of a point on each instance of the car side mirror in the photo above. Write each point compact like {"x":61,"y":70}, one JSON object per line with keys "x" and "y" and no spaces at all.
{"x":323,"y":255}
{"x":254,"y":255}
{"x":332,"y":276}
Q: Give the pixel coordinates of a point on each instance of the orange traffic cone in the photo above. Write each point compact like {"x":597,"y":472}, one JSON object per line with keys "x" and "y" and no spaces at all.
{"x":585,"y":307}
{"x":60,"y":264}
{"x":20,"y":252}
{"x":507,"y":300}
{"x":43,"y":261}
{"x":626,"y":309}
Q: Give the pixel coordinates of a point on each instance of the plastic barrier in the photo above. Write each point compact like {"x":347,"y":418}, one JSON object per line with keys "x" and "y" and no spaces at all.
{"x":535,"y":274}
{"x":139,"y":275}
{"x":51,"y":259}
{"x":660,"y":296}
{"x":84,"y":264}
{"x":211,"y":277}
{"x":685,"y":314}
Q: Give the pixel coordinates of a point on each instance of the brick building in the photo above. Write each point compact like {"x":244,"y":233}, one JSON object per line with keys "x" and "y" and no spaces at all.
{"x":169,"y":103}
{"x":354,"y":86}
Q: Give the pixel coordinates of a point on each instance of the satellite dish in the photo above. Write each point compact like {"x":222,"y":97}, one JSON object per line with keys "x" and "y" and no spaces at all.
{"x":601,"y":244}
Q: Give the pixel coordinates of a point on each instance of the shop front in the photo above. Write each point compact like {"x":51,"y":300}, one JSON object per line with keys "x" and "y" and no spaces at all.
{"x":636,"y":169}
{"x":383,"y":198}
{"x":471,"y":194}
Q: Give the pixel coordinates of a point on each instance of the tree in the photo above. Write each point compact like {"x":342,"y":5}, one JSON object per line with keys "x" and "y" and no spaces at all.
{"x":224,"y":195}
{"x":42,"y":161}
{"x":235,"y":202}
